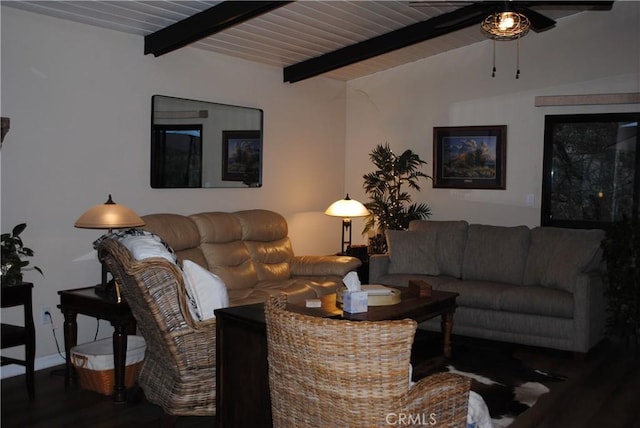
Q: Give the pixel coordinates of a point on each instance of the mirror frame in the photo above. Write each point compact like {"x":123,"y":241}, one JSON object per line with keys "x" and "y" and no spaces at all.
{"x":220,"y":143}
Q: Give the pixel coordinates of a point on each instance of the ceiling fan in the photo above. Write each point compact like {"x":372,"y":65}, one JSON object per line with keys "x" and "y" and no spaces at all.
{"x":473,"y":13}
{"x":505,"y":20}
{"x":476,"y":12}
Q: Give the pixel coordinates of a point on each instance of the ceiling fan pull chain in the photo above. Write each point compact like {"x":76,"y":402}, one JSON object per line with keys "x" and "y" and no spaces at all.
{"x":518,"y":59}
{"x":493,"y":73}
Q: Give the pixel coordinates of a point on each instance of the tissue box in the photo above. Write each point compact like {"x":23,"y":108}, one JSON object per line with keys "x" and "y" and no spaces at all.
{"x":355,"y":301}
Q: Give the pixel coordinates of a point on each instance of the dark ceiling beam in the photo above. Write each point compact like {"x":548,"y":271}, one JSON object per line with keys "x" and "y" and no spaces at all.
{"x":407,"y":36}
{"x":213,"y":20}
{"x":397,"y":39}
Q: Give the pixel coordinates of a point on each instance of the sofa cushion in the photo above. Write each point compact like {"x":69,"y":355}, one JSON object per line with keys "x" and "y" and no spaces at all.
{"x":558,"y":255}
{"x":231,"y":262}
{"x":322,"y":285}
{"x":476,"y":294}
{"x":495,"y":253}
{"x":537,"y":300}
{"x":323,"y":265}
{"x":412,"y":252}
{"x":528,"y":329}
{"x":297,"y":290}
{"x":217,"y":227}
{"x":451,"y":237}
{"x":402,"y":280}
{"x":272,"y":259}
{"x":179,"y":232}
{"x":262,"y":225}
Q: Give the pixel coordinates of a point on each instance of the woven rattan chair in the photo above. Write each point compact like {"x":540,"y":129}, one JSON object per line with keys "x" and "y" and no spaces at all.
{"x":326,"y":372}
{"x":179,"y":369}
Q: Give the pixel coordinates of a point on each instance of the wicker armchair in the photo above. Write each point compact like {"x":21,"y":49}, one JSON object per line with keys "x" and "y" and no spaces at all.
{"x":326,"y":372}
{"x":179,"y":369}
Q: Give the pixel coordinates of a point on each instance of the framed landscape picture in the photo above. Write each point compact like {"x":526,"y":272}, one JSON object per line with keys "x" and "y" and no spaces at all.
{"x":470,"y":157}
{"x":241,"y":156}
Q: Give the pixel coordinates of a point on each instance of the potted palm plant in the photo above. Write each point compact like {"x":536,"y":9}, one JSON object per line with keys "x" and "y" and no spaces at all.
{"x":13,"y":256}
{"x":390,"y":204}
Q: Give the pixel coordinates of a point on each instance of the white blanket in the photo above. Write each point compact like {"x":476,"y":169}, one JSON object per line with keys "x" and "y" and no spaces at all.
{"x":478,"y":413}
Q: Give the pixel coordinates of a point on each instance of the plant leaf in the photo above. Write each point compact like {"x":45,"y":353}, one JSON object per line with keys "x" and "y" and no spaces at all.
{"x":19,"y":229}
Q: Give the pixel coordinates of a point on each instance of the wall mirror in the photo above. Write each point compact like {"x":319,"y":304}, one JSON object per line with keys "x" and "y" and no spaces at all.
{"x":591,"y":164}
{"x":203,"y":144}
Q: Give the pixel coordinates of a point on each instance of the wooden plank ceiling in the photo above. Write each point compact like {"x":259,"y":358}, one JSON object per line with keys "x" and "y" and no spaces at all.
{"x":291,"y":35}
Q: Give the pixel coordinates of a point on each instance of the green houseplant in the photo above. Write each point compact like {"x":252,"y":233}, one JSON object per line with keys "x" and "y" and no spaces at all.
{"x":621,"y":252}
{"x":13,"y":256}
{"x":390,"y":204}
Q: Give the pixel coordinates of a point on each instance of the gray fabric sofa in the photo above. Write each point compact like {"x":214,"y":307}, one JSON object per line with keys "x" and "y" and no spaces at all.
{"x":539,"y":286}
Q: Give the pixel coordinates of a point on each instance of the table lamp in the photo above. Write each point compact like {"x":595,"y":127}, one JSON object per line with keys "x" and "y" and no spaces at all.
{"x":108,"y":216}
{"x":346,"y":208}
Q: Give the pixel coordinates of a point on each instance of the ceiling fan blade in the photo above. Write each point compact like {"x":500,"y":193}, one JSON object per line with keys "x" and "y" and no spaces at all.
{"x":539,"y":22}
{"x":464,"y":16}
{"x":584,"y":5}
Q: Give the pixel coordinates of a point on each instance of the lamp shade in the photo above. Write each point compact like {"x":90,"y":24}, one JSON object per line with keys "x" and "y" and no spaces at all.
{"x":347,"y":208}
{"x":108,"y":216}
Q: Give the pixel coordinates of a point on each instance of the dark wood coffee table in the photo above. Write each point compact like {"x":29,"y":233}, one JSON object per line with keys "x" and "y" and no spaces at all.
{"x":242,"y":385}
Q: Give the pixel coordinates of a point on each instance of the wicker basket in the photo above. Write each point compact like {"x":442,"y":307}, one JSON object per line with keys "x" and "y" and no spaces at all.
{"x":94,"y":364}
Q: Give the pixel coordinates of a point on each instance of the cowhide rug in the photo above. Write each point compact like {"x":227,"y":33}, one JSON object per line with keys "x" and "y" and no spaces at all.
{"x":507,"y":385}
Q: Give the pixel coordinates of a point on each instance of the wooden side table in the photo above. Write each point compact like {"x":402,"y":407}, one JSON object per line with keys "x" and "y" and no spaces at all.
{"x":13,"y":335}
{"x":360,"y":251}
{"x":242,"y":386}
{"x":85,"y":301}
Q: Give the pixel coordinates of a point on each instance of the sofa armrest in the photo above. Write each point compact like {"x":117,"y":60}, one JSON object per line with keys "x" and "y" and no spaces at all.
{"x":590,"y":310}
{"x":378,"y":266}
{"x":323,"y":265}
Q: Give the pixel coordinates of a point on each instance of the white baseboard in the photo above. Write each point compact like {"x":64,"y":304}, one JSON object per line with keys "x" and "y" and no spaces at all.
{"x":45,"y":362}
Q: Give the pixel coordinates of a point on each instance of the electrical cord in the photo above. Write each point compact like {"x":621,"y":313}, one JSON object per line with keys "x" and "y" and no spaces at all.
{"x":55,"y":338}
{"x":53,"y":330}
{"x":57,"y":372}
{"x":95,"y":336}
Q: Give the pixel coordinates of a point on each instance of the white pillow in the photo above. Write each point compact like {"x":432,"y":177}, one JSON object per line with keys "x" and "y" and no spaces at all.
{"x":206,"y":289}
{"x":146,"y":246}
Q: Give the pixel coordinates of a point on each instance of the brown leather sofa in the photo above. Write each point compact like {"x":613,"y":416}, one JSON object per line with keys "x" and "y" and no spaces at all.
{"x":252,"y":253}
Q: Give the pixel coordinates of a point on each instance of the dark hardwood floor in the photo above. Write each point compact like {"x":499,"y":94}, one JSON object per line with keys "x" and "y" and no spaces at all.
{"x":58,"y":406}
{"x":601,"y":392}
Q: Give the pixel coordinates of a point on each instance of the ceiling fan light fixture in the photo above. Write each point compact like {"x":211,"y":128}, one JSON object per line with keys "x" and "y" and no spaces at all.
{"x":505,"y":25}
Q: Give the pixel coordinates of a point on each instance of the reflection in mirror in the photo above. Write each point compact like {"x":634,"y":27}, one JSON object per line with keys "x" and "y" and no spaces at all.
{"x":203,"y":144}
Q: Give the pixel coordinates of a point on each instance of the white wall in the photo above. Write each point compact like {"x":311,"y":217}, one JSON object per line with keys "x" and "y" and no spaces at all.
{"x":588,"y":53}
{"x":79,"y":99}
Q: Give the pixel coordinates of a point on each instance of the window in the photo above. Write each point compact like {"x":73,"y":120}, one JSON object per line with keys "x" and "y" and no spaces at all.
{"x":590,"y":169}
{"x":176,"y":156}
